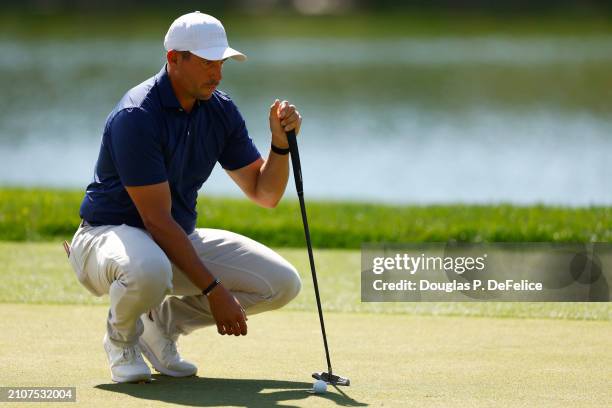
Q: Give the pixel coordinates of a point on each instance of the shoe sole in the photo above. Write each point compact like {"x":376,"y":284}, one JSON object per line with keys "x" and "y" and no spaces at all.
{"x":158,"y":365}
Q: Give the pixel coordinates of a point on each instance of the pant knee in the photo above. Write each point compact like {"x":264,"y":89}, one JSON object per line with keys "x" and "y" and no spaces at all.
{"x":289,"y":285}
{"x":294,"y":283}
{"x":151,"y":277}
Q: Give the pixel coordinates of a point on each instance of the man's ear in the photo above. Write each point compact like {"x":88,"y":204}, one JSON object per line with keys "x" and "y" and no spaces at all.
{"x":172,"y":57}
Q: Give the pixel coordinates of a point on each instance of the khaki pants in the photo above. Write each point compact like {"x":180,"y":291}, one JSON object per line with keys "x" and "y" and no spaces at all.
{"x":126,"y":263}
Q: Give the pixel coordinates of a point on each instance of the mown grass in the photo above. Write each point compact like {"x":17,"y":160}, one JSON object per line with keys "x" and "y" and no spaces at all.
{"x":38,"y":273}
{"x":43,"y":214}
{"x":392,"y":361}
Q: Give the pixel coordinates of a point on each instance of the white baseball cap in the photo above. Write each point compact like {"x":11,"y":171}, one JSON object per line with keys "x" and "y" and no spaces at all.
{"x":202,"y":35}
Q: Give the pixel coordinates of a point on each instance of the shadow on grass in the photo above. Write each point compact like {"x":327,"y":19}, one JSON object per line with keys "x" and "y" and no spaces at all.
{"x":212,"y":392}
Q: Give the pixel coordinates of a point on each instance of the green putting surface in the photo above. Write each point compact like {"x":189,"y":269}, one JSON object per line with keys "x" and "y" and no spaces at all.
{"x":392,"y":360}
{"x":396,"y":354}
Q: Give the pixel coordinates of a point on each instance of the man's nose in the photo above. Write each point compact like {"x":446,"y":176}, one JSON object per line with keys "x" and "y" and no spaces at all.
{"x":218,"y":71}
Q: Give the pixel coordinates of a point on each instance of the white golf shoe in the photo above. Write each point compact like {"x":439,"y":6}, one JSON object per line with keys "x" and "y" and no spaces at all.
{"x":126,"y":363}
{"x":161,"y":351}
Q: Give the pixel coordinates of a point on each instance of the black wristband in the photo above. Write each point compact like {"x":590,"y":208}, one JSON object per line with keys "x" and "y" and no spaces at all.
{"x":279,"y":150}
{"x":210,"y":287}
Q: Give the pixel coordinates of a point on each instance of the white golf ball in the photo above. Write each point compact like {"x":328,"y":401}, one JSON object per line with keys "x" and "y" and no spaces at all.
{"x":319,"y":387}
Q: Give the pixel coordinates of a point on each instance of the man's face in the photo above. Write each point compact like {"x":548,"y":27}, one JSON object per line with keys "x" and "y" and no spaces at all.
{"x":198,"y":77}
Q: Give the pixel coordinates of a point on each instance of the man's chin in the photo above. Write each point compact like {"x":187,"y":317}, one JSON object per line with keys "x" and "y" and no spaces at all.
{"x":206,"y":96}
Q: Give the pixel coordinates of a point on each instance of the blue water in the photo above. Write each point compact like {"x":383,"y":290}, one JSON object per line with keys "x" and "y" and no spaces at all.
{"x":411,"y":120}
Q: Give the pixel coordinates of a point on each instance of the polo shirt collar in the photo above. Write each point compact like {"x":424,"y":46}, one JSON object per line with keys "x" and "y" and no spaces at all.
{"x":167,"y":96}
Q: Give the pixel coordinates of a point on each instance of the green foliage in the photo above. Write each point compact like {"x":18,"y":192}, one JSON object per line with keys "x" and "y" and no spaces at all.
{"x":42,"y":214}
{"x":149,"y":24}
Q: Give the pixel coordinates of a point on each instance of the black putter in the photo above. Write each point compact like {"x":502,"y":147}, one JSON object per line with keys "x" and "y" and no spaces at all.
{"x":328,"y":376}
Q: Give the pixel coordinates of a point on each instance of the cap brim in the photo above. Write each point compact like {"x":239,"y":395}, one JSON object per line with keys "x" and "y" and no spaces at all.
{"x":219,"y":53}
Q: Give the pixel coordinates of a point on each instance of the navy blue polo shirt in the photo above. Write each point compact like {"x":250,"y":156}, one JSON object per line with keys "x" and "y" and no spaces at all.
{"x":148,"y":139}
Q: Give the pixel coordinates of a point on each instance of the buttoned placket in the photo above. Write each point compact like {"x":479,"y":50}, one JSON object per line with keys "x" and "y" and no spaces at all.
{"x":186,"y":133}
{"x":189,"y":115}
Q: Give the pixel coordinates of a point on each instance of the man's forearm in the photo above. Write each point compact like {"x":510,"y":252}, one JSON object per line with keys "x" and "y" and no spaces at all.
{"x":174,"y":242}
{"x":272,"y":179}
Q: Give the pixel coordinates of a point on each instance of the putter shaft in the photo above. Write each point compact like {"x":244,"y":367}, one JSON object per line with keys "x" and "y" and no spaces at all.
{"x":297,"y":174}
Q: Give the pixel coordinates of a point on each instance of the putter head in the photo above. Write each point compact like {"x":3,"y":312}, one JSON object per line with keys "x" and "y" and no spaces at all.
{"x":331,"y":379}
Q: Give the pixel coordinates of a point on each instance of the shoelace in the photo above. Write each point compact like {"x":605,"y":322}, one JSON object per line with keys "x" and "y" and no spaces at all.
{"x":170,"y":348}
{"x":129,"y":352}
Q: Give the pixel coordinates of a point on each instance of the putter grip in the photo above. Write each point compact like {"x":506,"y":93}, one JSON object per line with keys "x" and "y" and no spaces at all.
{"x":295,"y":161}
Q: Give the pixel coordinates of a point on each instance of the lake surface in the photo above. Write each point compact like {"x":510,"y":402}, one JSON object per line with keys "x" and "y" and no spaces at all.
{"x":408,"y":120}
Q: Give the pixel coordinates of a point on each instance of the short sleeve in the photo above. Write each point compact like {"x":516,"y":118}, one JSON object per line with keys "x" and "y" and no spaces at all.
{"x":239,"y":150}
{"x":135,"y":147}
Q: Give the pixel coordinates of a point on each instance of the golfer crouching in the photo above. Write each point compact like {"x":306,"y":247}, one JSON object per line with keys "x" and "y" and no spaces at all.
{"x":138,"y":242}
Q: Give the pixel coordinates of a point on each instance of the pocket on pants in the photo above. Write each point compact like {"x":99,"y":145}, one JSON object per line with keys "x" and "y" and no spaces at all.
{"x":77,"y":266}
